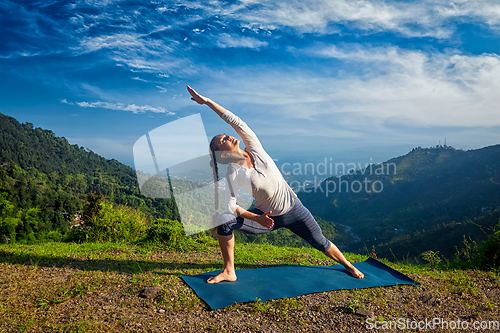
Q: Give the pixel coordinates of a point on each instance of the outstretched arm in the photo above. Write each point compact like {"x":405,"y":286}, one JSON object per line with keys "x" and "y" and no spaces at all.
{"x":205,"y":100}
{"x":249,"y":138}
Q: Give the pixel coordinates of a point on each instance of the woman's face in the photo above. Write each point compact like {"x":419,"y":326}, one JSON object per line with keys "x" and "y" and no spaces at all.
{"x":227,"y":143}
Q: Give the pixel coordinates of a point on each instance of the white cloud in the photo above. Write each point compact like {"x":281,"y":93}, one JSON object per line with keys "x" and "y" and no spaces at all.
{"x":131,"y":42}
{"x":139,"y":79}
{"x":65,"y":101}
{"x":123,"y":41}
{"x":132,"y":24}
{"x":227,"y":40}
{"x":316,"y":15}
{"x":409,"y":88}
{"x":418,"y":18}
{"x":122,"y":107}
{"x":394,"y":85}
{"x":487,"y":11}
{"x":425,"y":89}
{"x":136,"y":51}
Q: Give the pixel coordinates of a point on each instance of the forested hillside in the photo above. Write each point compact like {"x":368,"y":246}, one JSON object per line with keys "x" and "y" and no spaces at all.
{"x":449,"y":240}
{"x":400,"y":208}
{"x":407,"y":195}
{"x":45,"y":182}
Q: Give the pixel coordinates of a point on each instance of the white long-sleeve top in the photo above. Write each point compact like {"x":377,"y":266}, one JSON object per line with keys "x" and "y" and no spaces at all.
{"x":265,"y":181}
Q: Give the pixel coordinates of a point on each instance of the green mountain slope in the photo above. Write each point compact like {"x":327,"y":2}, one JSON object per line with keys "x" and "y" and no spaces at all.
{"x":411,"y":193}
{"x":451,"y":240}
{"x":42,"y":176}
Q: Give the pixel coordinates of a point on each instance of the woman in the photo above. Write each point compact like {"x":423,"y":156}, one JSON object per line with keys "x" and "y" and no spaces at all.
{"x":276,"y":205}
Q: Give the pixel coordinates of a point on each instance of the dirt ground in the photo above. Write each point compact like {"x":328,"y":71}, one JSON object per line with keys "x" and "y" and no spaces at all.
{"x":85,"y":294}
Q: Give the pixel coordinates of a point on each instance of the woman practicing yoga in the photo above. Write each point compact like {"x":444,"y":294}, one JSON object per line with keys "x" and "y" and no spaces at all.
{"x":276,"y":205}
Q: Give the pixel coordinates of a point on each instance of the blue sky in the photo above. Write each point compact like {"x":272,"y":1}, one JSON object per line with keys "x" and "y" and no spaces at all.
{"x":352,"y":80}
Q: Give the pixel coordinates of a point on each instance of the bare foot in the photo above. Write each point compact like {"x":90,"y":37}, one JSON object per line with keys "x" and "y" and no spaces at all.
{"x":224,"y":276}
{"x":355,"y":272}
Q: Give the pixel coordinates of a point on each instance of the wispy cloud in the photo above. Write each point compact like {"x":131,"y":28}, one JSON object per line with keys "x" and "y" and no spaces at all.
{"x":487,"y":11}
{"x":335,"y":68}
{"x":409,"y":87}
{"x":226,"y":40}
{"x":139,"y":79}
{"x":315,"y":16}
{"x":88,"y":23}
{"x":65,"y":101}
{"x":436,"y":89}
{"x":418,"y":18}
{"x":131,"y":33}
{"x":120,"y":107}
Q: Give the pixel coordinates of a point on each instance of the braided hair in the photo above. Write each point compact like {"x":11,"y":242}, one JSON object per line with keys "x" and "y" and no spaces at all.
{"x":214,"y":159}
{"x":215,"y":169}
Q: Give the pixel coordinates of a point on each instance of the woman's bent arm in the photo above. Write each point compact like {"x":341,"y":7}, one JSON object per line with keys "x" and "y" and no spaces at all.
{"x":264,"y":220}
{"x":231,"y":206}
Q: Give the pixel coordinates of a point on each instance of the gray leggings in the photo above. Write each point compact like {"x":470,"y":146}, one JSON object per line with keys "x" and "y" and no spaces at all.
{"x":298,"y":219}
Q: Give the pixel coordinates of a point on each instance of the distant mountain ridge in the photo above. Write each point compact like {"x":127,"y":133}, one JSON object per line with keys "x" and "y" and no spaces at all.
{"x":431,"y":187}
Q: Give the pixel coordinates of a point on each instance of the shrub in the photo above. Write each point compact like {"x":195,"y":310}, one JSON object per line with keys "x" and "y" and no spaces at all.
{"x":171,"y":234}
{"x":432,"y":258}
{"x":76,"y":235}
{"x":51,"y":236}
{"x":8,"y":229}
{"x":489,"y":252}
{"x":116,"y":223}
{"x":485,"y":255}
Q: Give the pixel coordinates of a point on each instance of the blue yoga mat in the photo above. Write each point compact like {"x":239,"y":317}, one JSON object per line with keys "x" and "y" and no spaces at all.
{"x":290,"y":281}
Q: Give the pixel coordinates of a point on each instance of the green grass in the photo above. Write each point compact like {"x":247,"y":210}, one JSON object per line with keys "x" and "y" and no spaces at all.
{"x":265,"y":254}
{"x":52,"y":276}
{"x":94,"y":287}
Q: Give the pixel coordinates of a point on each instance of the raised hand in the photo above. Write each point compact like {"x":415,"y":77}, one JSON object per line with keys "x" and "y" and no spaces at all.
{"x":197,"y":97}
{"x":205,"y":100}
